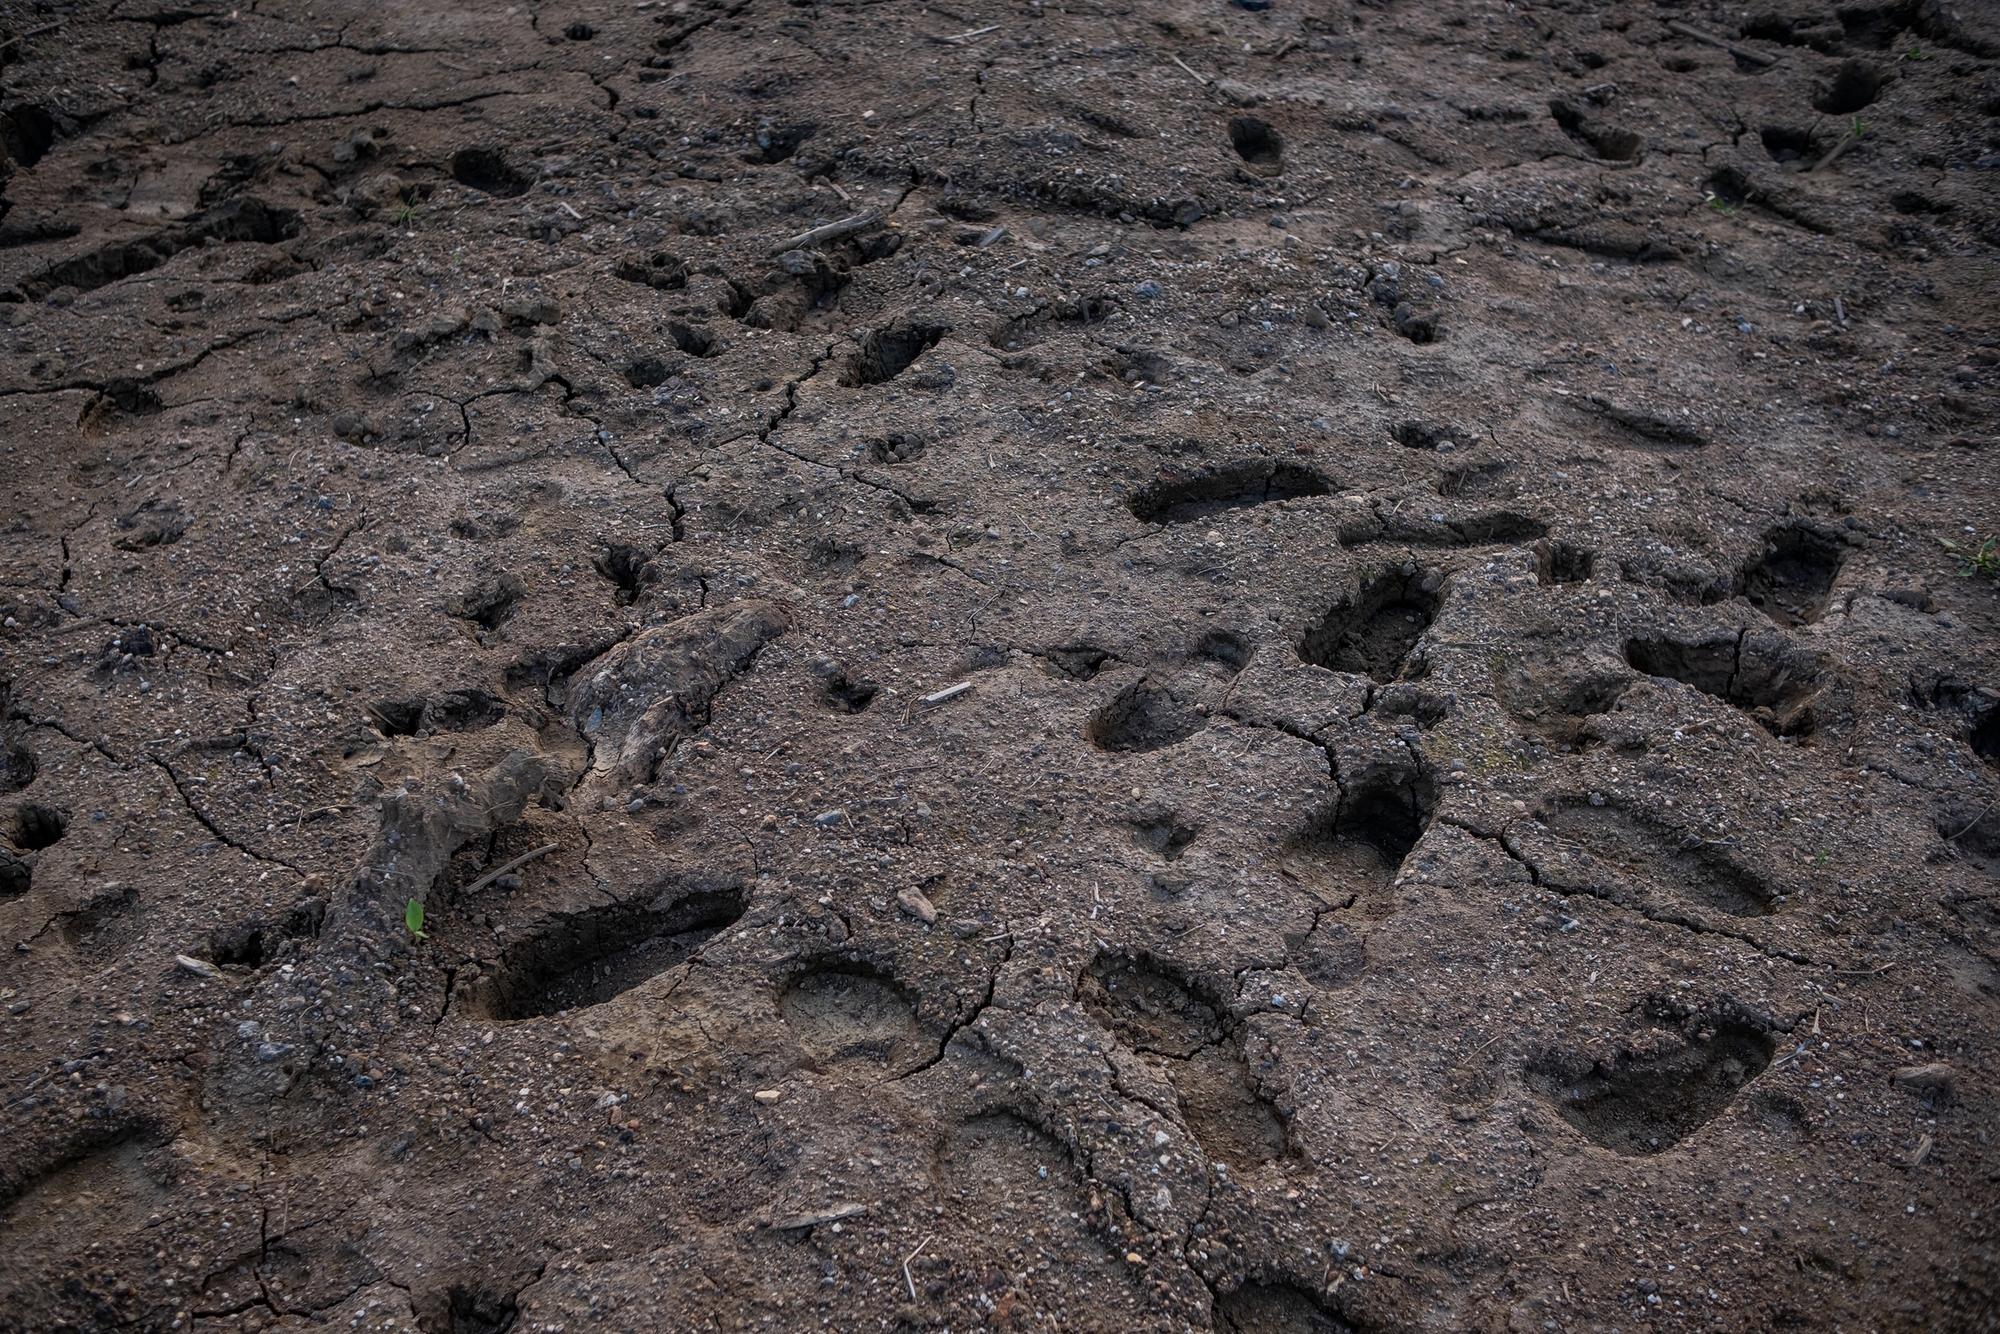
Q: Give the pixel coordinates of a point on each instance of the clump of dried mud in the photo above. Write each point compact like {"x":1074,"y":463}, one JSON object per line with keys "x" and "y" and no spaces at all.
{"x":1473,"y":801}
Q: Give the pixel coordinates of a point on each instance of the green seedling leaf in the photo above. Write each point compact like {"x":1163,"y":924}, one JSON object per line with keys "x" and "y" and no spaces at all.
{"x":413,"y":917}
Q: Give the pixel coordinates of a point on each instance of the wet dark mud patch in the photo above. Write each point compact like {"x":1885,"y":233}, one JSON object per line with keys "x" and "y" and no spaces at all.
{"x":887,"y":352}
{"x":1149,"y":714}
{"x":1204,"y":495}
{"x":1149,"y":1009}
{"x":592,"y":956}
{"x":488,"y":171}
{"x":466,"y":1309}
{"x":1634,"y":849}
{"x":465,"y":710}
{"x":1641,"y":1104}
{"x":1372,"y":630}
{"x":1274,"y":1308}
{"x":1260,"y":146}
{"x":855,"y":1020}
{"x":17,"y":874}
{"x":1775,"y":691}
{"x":1794,"y":578}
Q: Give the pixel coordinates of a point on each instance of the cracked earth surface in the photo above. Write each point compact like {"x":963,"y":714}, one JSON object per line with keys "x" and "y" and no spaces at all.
{"x":739,"y":664}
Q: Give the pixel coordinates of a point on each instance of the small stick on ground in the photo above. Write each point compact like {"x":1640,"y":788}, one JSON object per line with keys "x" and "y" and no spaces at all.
{"x":1975,"y":820}
{"x":1202,"y":79}
{"x":832,"y":231}
{"x":1740,"y":52}
{"x":1846,"y":142}
{"x":32,"y":32}
{"x":906,"y":1266}
{"x":522,"y":860}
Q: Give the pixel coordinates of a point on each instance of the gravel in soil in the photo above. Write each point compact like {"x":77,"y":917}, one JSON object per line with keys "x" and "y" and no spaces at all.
{"x":1251,"y":667}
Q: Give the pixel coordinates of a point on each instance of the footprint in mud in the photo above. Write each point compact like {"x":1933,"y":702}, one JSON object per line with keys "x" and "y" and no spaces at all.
{"x":1362,"y":841}
{"x":1167,"y":706}
{"x":1794,"y":579}
{"x":600,"y":953}
{"x":855,"y":1022}
{"x":1640,"y":1104}
{"x":1273,"y":1308}
{"x":1619,"y":846}
{"x":1555,"y":695}
{"x":1767,"y":676}
{"x":1204,"y":495}
{"x":1372,"y":630}
{"x":1148,"y":1011}
{"x":999,"y":1165}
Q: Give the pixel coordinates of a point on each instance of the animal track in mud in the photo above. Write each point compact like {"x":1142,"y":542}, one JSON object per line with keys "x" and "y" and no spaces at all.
{"x":1605,"y":141}
{"x":490,"y":602}
{"x":17,"y":765}
{"x":858,"y":1021}
{"x":1147,"y":715}
{"x":1637,"y":1105}
{"x":1856,"y":84}
{"x":898,"y":447}
{"x":1148,"y":1010}
{"x":1258,"y":144}
{"x":466,"y":710}
{"x":1274,"y":1308}
{"x":1078,"y":662}
{"x":776,"y":143}
{"x":594,"y":955}
{"x":1165,"y":835}
{"x":1372,"y":827}
{"x":1484,"y":482}
{"x":32,"y":828}
{"x":1480,"y":530}
{"x":245,"y":219}
{"x":1563,"y":563}
{"x":1635,"y":849}
{"x":662,"y":271}
{"x":1165,"y":708}
{"x":1732,"y":670}
{"x":887,"y":352}
{"x":998,"y":1161}
{"x":841,"y":690}
{"x":154,"y":523}
{"x":695,"y":340}
{"x":629,"y":567}
{"x":1556,"y":694}
{"x":1372,"y":630}
{"x":1793,"y":580}
{"x":488,"y":171}
{"x":1233,"y":486}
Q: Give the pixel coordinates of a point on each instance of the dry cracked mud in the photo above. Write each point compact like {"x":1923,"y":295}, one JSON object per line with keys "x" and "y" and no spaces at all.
{"x":1061,"y":664}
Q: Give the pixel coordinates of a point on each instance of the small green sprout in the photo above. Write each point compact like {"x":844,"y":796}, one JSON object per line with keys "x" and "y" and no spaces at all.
{"x":413,"y":917}
{"x":1983,"y":559}
{"x":406,"y":212}
{"x":1916,"y":52}
{"x":1721,"y":205}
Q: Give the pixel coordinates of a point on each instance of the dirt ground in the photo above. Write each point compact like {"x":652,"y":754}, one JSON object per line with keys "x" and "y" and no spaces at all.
{"x":811,"y":664}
